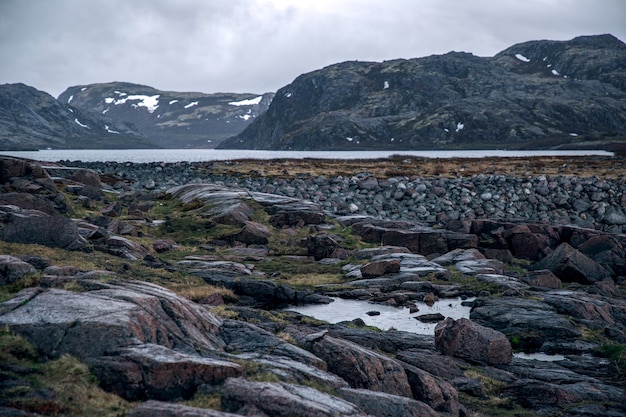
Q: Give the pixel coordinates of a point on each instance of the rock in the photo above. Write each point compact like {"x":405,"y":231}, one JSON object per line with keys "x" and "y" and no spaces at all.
{"x":607,"y":251}
{"x":386,"y":405}
{"x":87,"y":177}
{"x":107,"y":317}
{"x":503,"y":281}
{"x":151,"y":371}
{"x":253,"y":233}
{"x":542,"y":278}
{"x":163,"y":245}
{"x":125,"y":248}
{"x":12,"y":269}
{"x":241,"y":337}
{"x":570,"y":265}
{"x":430,"y":318}
{"x":380,"y":268}
{"x":458,"y":255}
{"x":360,"y":367}
{"x":471,"y":341}
{"x":432,"y":390}
{"x":531,"y":322}
{"x":163,"y":409}
{"x":235,"y":214}
{"x":322,"y":245}
{"x":33,"y":227}
{"x":369,"y":253}
{"x":282,"y":400}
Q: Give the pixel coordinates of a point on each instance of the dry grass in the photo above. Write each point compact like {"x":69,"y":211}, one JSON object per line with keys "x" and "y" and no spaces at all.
{"x":197,"y":293}
{"x":583,"y":166}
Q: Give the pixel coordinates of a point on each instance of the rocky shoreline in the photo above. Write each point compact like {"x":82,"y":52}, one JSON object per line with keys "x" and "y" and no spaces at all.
{"x":164,"y":280}
{"x":590,"y":202}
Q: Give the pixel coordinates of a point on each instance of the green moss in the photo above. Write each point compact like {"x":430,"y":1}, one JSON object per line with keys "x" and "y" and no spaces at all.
{"x":616,"y":353}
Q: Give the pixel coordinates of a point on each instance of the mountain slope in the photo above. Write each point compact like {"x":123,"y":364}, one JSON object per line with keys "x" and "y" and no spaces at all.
{"x":537,"y":94}
{"x":33,"y":119}
{"x":171,"y":119}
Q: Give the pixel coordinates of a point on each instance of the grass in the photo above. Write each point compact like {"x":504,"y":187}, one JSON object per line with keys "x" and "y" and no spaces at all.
{"x":62,"y":387}
{"x":616,"y":353}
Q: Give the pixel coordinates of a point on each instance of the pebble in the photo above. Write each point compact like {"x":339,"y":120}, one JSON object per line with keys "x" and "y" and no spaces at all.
{"x":587,"y":202}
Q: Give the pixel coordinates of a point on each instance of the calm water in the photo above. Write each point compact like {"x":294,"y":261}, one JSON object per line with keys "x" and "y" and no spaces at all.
{"x":199,"y":155}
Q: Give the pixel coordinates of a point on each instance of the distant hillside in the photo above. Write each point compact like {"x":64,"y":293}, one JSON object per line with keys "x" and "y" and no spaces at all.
{"x":171,"y":119}
{"x":33,"y":119}
{"x":539,"y":94}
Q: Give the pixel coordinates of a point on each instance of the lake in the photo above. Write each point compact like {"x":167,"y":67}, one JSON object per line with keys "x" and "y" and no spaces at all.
{"x":201,"y":155}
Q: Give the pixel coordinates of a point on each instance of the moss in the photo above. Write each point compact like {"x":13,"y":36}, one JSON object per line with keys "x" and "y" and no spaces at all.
{"x":616,"y":353}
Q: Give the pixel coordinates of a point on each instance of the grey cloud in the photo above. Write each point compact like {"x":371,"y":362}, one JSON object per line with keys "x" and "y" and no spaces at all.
{"x":261,"y":45}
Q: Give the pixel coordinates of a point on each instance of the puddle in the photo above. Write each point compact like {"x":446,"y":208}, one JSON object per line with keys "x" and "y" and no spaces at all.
{"x":539,"y":356}
{"x":390,"y":317}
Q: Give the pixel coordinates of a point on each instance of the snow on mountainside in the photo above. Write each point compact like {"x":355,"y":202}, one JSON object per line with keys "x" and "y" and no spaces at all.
{"x":171,"y":119}
{"x":33,"y":119}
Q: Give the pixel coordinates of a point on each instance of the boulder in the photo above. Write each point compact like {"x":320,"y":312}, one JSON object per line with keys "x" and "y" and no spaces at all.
{"x":380,"y":268}
{"x":125,"y":248}
{"x":607,"y":251}
{"x":571,"y":265}
{"x":468,"y":340}
{"x":106,"y":317}
{"x":531,"y":322}
{"x":542,"y":278}
{"x":434,"y":391}
{"x":323,"y":245}
{"x":253,"y":233}
{"x":150,"y":371}
{"x":12,"y":269}
{"x":163,"y":245}
{"x":361,"y":367}
{"x":245,"y":397}
{"x":386,"y":405}
{"x":87,"y":177}
{"x":35,"y":227}
{"x":235,"y":214}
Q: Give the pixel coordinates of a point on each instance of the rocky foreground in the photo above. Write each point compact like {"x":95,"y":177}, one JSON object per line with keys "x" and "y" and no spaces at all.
{"x":166,"y":284}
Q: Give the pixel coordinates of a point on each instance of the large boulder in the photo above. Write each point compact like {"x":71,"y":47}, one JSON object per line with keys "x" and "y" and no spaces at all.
{"x":245,"y":397}
{"x":571,"y":265}
{"x":142,"y":340}
{"x":386,"y":405}
{"x":471,"y":341}
{"x":35,"y":227}
{"x":150,"y":371}
{"x":530,"y":322}
{"x":361,"y":367}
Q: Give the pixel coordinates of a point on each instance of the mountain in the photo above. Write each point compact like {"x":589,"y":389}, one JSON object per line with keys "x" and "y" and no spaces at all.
{"x":171,"y":119}
{"x":538,"y":94}
{"x":33,"y":119}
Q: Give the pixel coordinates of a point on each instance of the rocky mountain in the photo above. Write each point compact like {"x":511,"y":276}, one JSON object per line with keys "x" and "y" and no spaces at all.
{"x":171,"y":119}
{"x":33,"y":119}
{"x":539,"y":94}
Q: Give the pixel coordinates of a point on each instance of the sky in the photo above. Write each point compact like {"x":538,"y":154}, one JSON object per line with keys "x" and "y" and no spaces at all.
{"x":257,"y":46}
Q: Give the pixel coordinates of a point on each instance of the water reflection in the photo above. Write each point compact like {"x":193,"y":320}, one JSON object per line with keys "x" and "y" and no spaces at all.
{"x":399,"y":318}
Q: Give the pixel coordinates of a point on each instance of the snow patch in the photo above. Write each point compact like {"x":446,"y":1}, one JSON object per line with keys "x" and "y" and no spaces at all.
{"x":194,"y":103}
{"x":386,"y":85}
{"x":106,"y":127}
{"x":555,"y":72}
{"x":69,"y":100}
{"x":459,"y":127}
{"x":83,"y":89}
{"x":151,"y":103}
{"x":349,"y":139}
{"x":106,"y":110}
{"x":245,"y":117}
{"x":573,"y":134}
{"x":173,"y":101}
{"x":446,"y":130}
{"x":249,"y":102}
{"x":522,"y":58}
{"x":80,"y":124}
{"x":119,"y":93}
{"x":71,"y":111}
{"x":287,"y":95}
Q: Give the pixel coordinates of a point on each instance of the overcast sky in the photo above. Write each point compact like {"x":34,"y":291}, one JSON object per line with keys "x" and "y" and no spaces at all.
{"x":258,"y":46}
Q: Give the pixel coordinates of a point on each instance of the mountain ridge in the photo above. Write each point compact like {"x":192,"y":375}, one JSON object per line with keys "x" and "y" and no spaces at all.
{"x":564,"y":93}
{"x":171,"y":119}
